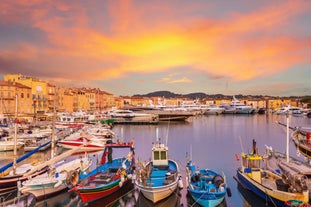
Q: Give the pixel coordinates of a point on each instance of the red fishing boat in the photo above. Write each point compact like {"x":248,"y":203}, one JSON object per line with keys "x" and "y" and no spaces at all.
{"x":109,"y":177}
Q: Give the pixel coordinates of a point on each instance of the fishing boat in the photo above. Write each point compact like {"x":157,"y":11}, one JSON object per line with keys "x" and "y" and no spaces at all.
{"x":110,"y":176}
{"x":83,"y":143}
{"x":282,"y":163}
{"x":301,"y":137}
{"x":54,"y":180}
{"x":266,"y":184}
{"x":159,"y":178}
{"x":13,"y":173}
{"x":7,"y":144}
{"x":207,"y":187}
{"x":32,"y":144}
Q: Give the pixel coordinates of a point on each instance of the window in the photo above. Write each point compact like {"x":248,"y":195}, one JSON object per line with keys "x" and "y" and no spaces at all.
{"x":156,"y":155}
{"x":22,"y":95}
{"x":163,"y":155}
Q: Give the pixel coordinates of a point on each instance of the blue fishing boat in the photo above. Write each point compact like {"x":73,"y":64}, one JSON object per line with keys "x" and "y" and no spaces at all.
{"x":207,"y":187}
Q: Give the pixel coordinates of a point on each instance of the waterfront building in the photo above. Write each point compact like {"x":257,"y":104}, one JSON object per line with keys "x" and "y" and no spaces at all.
{"x":39,"y":90}
{"x":65,"y":101}
{"x":8,"y":92}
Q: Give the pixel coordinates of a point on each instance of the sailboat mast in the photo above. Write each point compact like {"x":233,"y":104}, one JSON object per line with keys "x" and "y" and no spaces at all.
{"x":15,"y":137}
{"x":53,"y":126}
{"x":287,"y":137}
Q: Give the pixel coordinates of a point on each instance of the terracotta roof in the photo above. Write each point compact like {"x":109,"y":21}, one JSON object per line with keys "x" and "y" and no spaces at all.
{"x":14,"y":84}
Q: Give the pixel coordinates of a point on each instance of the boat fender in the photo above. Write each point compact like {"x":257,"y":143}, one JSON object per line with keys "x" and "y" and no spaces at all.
{"x":180,"y":183}
{"x":229,"y":192}
{"x":121,"y":181}
{"x":130,"y":176}
{"x":59,"y":182}
{"x":218,"y":180}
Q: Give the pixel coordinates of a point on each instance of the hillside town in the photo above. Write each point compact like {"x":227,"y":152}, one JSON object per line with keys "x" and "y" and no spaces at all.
{"x":38,"y":98}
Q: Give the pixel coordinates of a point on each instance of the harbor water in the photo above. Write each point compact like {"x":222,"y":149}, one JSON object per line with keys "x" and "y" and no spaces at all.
{"x":214,"y":142}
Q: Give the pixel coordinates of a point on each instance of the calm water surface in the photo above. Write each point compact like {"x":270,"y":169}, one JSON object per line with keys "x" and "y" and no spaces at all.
{"x":214,"y":141}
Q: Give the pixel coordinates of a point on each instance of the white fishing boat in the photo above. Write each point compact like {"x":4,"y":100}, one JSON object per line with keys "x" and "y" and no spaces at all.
{"x":54,"y":180}
{"x":159,"y":178}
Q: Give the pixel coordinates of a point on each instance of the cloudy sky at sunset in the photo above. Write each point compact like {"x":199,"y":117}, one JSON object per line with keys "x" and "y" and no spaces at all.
{"x":136,"y":47}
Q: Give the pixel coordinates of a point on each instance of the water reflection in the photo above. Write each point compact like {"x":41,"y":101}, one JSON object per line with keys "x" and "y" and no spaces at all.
{"x":250,"y":199}
{"x":191,"y":202}
{"x":173,"y":200}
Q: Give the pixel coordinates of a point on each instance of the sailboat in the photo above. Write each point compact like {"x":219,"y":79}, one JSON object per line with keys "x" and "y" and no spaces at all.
{"x":267,"y":184}
{"x":54,"y":180}
{"x":12,"y":173}
{"x":160,"y":177}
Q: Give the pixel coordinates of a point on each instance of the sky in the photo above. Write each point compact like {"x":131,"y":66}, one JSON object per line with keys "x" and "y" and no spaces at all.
{"x":183,"y":46}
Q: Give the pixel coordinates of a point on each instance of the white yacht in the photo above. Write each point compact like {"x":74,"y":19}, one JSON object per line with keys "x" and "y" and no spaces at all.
{"x":125,"y":115}
{"x":293,"y":110}
{"x":240,"y":107}
{"x":214,"y":109}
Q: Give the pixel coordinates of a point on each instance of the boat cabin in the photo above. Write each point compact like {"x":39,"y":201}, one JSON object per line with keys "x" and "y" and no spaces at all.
{"x":159,"y":155}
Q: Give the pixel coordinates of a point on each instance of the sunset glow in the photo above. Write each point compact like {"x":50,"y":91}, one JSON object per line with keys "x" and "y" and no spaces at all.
{"x":130,"y":47}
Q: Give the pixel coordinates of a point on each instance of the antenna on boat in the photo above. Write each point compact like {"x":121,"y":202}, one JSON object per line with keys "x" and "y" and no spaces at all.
{"x":241,"y":144}
{"x":53,"y":126}
{"x":168,"y":126}
{"x":191,"y":152}
{"x":157,"y":135}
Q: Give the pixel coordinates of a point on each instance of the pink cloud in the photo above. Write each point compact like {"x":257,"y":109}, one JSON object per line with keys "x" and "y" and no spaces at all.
{"x":151,"y":37}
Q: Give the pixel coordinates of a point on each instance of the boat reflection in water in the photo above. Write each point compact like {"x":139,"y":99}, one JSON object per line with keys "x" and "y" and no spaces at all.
{"x":125,"y":196}
{"x":250,"y":199}
{"x":191,"y":202}
{"x":65,"y":199}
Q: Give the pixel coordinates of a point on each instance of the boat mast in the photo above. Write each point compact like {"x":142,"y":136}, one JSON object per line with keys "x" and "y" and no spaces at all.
{"x":53,"y":126}
{"x":287,"y":137}
{"x":15,"y":137}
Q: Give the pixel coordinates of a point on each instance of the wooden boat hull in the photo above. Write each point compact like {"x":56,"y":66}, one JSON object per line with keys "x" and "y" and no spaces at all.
{"x":92,"y":194}
{"x":9,"y":183}
{"x":272,"y":195}
{"x":157,"y":194}
{"x":159,"y":185}
{"x":203,"y":187}
{"x":44,"y":193}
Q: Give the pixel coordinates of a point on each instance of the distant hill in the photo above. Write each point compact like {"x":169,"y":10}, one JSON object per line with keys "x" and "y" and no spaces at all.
{"x":200,"y":95}
{"x":168,"y":94}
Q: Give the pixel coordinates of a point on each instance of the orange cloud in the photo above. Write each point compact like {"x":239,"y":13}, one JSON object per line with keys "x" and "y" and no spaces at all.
{"x":151,"y":37}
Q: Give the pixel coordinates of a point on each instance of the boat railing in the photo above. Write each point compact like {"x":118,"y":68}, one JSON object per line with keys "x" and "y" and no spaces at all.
{"x":144,"y":179}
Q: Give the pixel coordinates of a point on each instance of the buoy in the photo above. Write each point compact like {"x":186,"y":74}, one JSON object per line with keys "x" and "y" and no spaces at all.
{"x":229,"y":192}
{"x":237,"y":157}
{"x":180,"y":183}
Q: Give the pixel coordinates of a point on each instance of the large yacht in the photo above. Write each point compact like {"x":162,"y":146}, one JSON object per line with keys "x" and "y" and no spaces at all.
{"x":240,"y":107}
